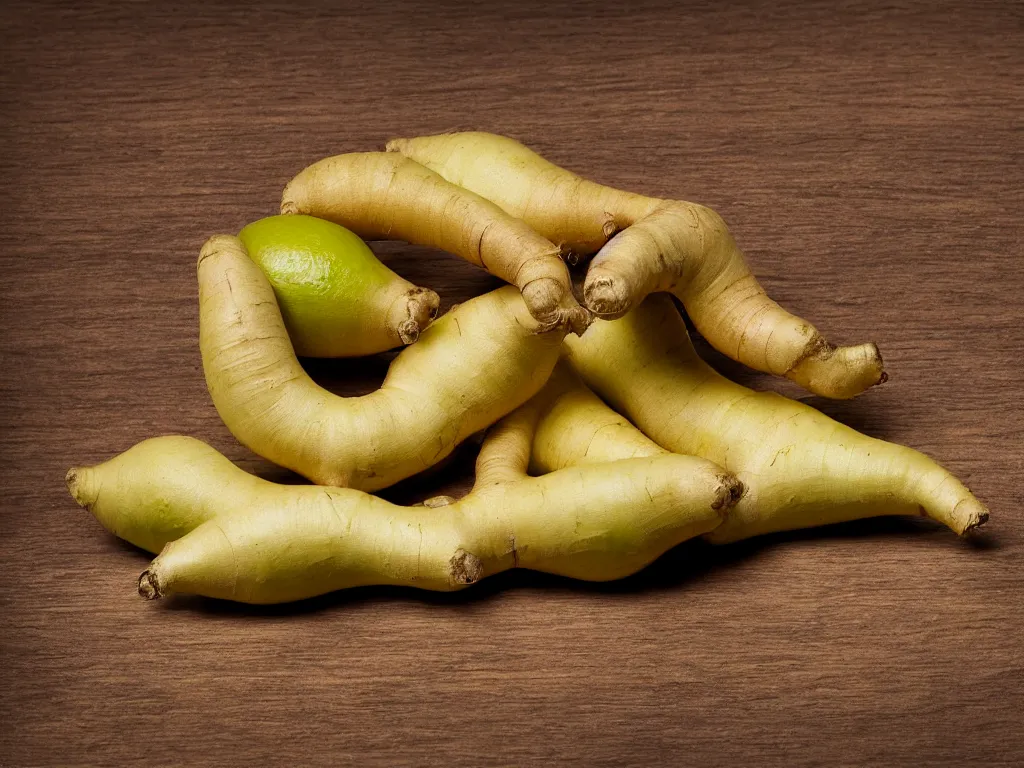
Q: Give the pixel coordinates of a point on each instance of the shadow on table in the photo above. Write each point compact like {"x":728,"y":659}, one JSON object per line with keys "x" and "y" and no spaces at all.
{"x":674,"y":570}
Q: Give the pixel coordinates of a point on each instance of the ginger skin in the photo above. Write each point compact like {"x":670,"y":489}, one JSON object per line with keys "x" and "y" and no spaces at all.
{"x":801,"y":468}
{"x":645,"y":245}
{"x":383,"y":196}
{"x":468,"y":369}
{"x":574,"y":427}
{"x":224,"y":533}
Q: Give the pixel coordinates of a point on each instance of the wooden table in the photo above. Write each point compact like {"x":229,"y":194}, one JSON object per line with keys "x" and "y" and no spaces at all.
{"x":869,"y":162}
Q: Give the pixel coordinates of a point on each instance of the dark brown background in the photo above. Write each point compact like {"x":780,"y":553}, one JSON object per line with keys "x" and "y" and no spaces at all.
{"x":869,"y":159}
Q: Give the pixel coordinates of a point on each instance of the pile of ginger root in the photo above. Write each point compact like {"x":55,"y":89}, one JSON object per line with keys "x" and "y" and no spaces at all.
{"x":608,"y":439}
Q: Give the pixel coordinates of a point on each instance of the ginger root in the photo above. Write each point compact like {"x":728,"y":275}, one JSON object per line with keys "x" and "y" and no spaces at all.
{"x":388,"y":197}
{"x":468,"y":369}
{"x":801,"y":468}
{"x":644,"y":245}
{"x":575,"y":427}
{"x":224,"y":533}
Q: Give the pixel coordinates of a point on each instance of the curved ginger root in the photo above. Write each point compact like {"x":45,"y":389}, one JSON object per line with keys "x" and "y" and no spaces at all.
{"x":575,"y":427}
{"x":246,"y":539}
{"x":387,"y":197}
{"x":800,"y":468}
{"x":469,"y":368}
{"x":660,"y":245}
{"x":336,"y":298}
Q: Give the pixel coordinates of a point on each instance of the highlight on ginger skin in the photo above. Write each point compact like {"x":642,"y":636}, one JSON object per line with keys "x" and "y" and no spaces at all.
{"x":574,"y":427}
{"x":470,"y":367}
{"x":224,"y":533}
{"x":336,"y":298}
{"x":645,"y":245}
{"x":383,"y":196}
{"x":158,"y":490}
{"x":801,"y":468}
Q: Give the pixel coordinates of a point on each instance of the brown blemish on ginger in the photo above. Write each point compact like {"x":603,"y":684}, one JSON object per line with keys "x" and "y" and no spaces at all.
{"x":465,"y":567}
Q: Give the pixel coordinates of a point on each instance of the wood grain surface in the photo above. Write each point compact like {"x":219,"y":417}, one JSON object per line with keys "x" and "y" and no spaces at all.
{"x":867,"y":157}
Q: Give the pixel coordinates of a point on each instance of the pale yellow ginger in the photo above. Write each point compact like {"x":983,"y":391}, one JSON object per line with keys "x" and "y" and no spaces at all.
{"x":383,"y":196}
{"x":224,"y":533}
{"x":799,"y":467}
{"x":575,"y":427}
{"x":646,"y":245}
{"x":468,"y":369}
